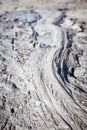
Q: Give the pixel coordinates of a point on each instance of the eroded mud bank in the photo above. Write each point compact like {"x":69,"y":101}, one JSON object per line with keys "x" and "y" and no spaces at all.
{"x":43,"y":71}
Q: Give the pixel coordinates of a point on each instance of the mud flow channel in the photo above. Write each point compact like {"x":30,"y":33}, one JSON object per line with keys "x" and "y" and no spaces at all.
{"x":43,"y":71}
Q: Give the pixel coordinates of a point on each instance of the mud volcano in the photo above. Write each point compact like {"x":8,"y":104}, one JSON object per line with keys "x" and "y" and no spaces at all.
{"x":43,"y":71}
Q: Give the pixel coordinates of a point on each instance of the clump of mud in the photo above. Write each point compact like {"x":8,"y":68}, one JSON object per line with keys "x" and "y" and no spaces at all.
{"x":43,"y":71}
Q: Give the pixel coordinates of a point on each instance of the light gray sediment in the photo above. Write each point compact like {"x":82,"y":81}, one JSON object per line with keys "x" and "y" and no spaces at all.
{"x":43,"y":71}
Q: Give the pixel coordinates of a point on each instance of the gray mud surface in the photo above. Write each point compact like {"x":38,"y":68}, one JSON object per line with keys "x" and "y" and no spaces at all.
{"x":43,"y":71}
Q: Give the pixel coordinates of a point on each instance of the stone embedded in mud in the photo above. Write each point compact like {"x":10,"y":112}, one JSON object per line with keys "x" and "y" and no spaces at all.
{"x":42,"y":72}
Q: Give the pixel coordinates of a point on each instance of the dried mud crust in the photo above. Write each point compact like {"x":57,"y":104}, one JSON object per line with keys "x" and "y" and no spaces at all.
{"x":43,"y":71}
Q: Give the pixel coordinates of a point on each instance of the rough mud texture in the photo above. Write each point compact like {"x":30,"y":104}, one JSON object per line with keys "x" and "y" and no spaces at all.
{"x":43,"y":71}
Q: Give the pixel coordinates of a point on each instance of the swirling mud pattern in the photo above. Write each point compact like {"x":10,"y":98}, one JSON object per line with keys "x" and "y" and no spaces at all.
{"x":43,"y":71}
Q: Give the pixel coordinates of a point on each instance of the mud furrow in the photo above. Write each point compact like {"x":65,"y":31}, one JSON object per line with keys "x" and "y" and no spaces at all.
{"x":41,"y":58}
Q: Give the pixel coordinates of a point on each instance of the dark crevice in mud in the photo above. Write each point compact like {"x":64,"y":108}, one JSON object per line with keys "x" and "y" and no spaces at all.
{"x":67,"y":123}
{"x":40,"y":64}
{"x":12,"y":110}
{"x":63,"y":9}
{"x":64,"y":72}
{"x":63,"y":84}
{"x":34,"y":35}
{"x":61,"y":63}
{"x":6,"y":121}
{"x":71,"y":72}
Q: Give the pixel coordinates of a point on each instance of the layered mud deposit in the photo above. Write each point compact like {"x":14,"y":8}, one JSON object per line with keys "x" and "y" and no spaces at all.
{"x":43,"y":71}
